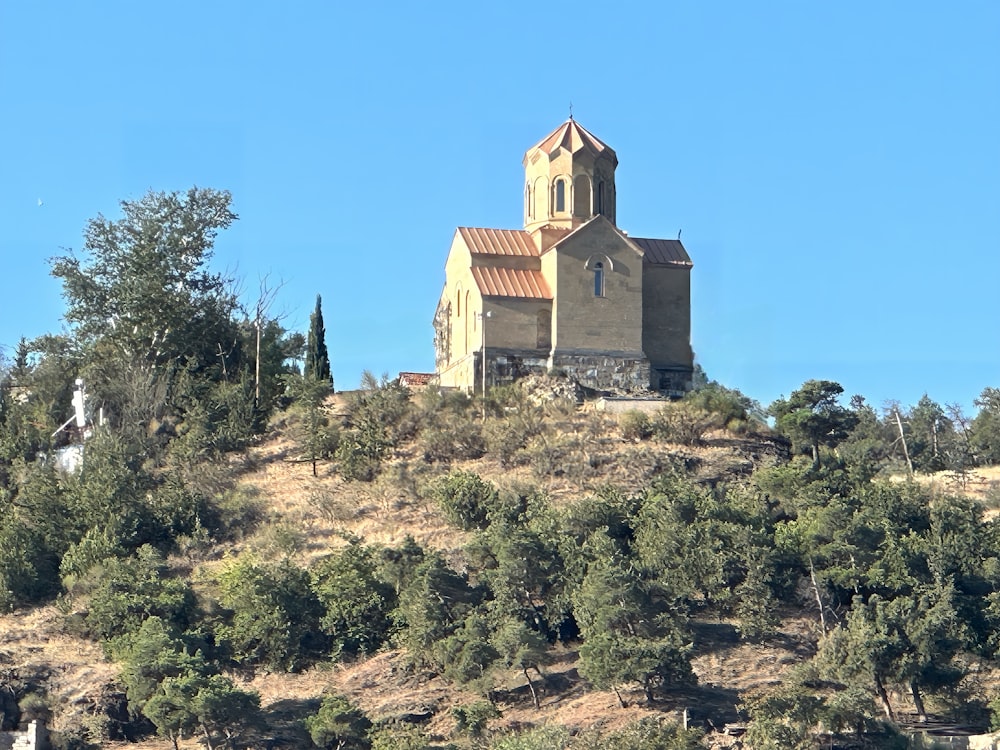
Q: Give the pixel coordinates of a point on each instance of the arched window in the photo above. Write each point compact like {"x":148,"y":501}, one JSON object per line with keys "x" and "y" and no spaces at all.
{"x":598,"y":279}
{"x":527,"y":201}
{"x":599,"y":199}
{"x":560,"y":195}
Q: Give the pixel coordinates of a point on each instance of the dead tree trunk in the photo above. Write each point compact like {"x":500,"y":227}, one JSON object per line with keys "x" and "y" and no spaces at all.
{"x":918,"y":702}
{"x":819,"y":599}
{"x":531,"y":687}
{"x":883,"y":698}
{"x":902,"y":439}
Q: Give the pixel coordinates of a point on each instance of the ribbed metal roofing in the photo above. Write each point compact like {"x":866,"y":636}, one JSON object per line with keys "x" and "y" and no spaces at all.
{"x":662,"y":252}
{"x":573,"y":137}
{"x":483,"y":241}
{"x":511,"y":282}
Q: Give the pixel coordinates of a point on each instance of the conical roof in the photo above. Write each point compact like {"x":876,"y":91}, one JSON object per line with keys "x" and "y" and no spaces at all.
{"x":574,"y":138}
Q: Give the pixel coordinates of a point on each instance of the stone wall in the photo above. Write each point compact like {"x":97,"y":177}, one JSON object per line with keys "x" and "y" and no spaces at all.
{"x":33,"y":738}
{"x":604,"y":372}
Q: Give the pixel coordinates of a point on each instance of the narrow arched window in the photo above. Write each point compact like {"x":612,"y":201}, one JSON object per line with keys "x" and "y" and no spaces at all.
{"x":598,"y":279}
{"x":599,"y":199}
{"x":560,"y":195}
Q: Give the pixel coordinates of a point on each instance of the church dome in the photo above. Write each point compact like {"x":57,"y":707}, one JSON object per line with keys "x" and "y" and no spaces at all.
{"x":569,"y":179}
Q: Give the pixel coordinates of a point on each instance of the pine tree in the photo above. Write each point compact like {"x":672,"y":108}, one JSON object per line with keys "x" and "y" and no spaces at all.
{"x":317,"y":357}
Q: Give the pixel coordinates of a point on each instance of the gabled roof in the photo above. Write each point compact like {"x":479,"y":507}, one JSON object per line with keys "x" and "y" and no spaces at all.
{"x":482,"y":241}
{"x":573,"y":137}
{"x":511,"y":282}
{"x":662,"y":252}
{"x":415,"y":379}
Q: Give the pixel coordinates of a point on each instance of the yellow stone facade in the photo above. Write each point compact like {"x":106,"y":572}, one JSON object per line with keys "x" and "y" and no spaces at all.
{"x":570,"y":291}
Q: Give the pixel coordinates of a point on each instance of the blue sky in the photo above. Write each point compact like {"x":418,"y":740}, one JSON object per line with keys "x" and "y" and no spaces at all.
{"x":835,"y":167}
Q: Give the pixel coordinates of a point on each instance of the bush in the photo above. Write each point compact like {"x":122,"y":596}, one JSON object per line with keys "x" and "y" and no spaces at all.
{"x":275,"y":615}
{"x":682,"y":423}
{"x":457,"y":439}
{"x":635,"y":425}
{"x":357,"y":603}
{"x":472,"y":718}
{"x":339,"y":724}
{"x":132,"y":590}
{"x":732,"y":410}
{"x":465,"y":499}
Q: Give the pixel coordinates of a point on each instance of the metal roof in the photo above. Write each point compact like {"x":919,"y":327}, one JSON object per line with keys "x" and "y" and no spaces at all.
{"x":662,"y":252}
{"x":573,"y":137}
{"x":511,"y":282}
{"x":483,"y":241}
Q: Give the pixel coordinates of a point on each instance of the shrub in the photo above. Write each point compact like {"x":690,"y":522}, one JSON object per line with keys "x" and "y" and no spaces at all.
{"x":635,"y":425}
{"x":682,"y":423}
{"x":465,"y":499}
{"x":472,"y":718}
{"x":339,"y":724}
{"x":275,"y":615}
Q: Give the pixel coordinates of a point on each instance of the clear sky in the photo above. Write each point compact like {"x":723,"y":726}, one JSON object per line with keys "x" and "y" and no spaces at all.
{"x":835,"y":167}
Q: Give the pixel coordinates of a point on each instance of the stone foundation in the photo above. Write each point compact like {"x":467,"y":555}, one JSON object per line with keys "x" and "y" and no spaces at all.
{"x":671,"y":381}
{"x":625,"y":373}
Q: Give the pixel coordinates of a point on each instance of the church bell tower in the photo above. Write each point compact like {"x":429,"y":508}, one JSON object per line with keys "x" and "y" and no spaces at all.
{"x":569,"y":179}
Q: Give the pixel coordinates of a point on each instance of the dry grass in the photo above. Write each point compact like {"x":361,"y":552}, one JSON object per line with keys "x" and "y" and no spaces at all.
{"x":310,"y":516}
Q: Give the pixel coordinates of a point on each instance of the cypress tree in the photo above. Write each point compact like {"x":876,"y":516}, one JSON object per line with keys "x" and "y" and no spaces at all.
{"x":317,"y":357}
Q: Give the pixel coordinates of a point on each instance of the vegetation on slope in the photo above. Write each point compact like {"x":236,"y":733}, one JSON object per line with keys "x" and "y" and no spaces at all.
{"x":235,"y":526}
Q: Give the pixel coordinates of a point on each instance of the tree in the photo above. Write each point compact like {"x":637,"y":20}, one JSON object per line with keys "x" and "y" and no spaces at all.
{"x":221,"y":707}
{"x":150,"y":655}
{"x":811,"y":416}
{"x":339,"y":725}
{"x":985,"y":431}
{"x":357,"y":603}
{"x":274,"y":613}
{"x":317,"y":357}
{"x":171,"y":706}
{"x":519,"y":647}
{"x":143,"y":305}
{"x":932,"y":435}
{"x":315,"y":435}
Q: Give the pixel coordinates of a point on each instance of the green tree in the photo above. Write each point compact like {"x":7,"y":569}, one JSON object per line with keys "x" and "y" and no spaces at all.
{"x":465,"y":499}
{"x":150,"y":655}
{"x":931,"y":435}
{"x":222,"y":708}
{"x":985,"y":438}
{"x":144,"y":305}
{"x":433,"y":604}
{"x":356,"y":602}
{"x":274,"y":616}
{"x":339,"y":725}
{"x":171,"y":707}
{"x":317,"y":358}
{"x":812,"y":417}
{"x":131,"y":590}
{"x":316,"y":436}
{"x":650,"y":734}
{"x":521,"y":648}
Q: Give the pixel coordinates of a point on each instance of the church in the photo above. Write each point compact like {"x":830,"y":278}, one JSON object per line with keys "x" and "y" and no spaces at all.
{"x":568,"y":292}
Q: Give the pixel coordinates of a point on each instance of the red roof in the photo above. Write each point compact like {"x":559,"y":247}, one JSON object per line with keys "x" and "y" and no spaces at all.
{"x":663,"y":252}
{"x":573,"y":137}
{"x":415,"y":378}
{"x":483,"y":241}
{"x":511,"y":282}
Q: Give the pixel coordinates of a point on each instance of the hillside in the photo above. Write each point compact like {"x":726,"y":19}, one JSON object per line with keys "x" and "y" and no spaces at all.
{"x":301,"y":518}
